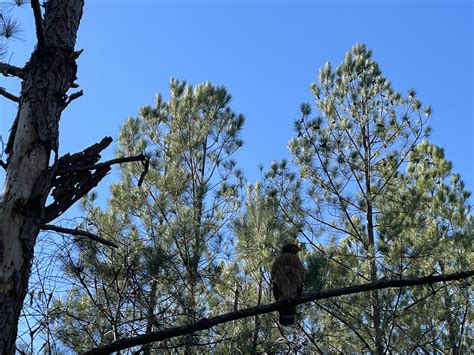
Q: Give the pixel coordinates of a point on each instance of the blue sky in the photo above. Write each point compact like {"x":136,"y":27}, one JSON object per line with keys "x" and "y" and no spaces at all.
{"x":266,"y":53}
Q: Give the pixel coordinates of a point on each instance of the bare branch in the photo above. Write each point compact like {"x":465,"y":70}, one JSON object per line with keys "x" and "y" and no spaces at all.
{"x":89,"y":235}
{"x":74,"y":55}
{"x":73,"y":176}
{"x":38,"y":22}
{"x":145,"y":171}
{"x":105,"y":164}
{"x":12,"y":97}
{"x":3,"y":164}
{"x":11,"y":70}
{"x":67,"y":188}
{"x":207,"y":323}
{"x":72,"y":97}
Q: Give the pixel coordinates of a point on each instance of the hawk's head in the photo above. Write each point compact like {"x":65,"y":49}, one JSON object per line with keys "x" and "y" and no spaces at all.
{"x":290,"y":248}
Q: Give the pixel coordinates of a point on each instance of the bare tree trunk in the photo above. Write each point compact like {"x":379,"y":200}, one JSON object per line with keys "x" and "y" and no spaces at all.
{"x":47,"y":77}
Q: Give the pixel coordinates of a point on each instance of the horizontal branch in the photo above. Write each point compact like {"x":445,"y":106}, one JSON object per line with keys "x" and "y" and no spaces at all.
{"x":89,"y":235}
{"x":11,"y":70}
{"x":107,"y":163}
{"x":12,"y":97}
{"x":207,"y":323}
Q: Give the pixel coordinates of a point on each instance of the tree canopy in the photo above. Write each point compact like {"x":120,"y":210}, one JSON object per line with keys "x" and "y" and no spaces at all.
{"x":178,"y":259}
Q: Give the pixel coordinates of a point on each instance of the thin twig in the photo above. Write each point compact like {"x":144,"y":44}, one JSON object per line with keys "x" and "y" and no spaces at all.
{"x":346,"y":323}
{"x":89,"y":235}
{"x":207,"y":323}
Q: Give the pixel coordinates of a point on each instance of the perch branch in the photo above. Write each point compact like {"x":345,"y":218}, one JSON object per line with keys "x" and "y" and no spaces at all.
{"x":89,"y":235}
{"x":207,"y":323}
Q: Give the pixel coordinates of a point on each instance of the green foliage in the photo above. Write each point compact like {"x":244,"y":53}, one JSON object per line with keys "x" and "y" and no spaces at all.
{"x":381,"y":216}
{"x":172,"y":230}
{"x":365,"y":194}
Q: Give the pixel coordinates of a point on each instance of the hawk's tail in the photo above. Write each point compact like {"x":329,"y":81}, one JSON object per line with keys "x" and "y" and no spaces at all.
{"x":287,"y":316}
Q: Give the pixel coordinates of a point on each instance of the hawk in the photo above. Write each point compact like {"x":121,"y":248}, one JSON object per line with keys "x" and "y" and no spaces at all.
{"x":287,"y":280}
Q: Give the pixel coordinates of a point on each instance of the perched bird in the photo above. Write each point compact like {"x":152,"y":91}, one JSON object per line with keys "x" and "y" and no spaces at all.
{"x":287,"y":280}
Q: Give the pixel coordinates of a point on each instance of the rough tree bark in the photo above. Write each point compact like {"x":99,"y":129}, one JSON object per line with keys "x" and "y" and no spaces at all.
{"x":46,"y":79}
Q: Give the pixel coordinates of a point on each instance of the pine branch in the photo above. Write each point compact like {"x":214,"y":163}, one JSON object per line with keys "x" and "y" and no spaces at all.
{"x":6,"y":94}
{"x":89,"y":235}
{"x":39,"y":23}
{"x":11,"y":70}
{"x":207,"y":323}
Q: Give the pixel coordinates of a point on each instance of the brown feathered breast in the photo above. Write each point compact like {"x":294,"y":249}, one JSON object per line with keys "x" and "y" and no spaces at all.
{"x":287,"y":276}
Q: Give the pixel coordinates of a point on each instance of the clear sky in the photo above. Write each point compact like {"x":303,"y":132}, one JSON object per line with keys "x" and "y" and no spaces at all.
{"x":266,"y":53}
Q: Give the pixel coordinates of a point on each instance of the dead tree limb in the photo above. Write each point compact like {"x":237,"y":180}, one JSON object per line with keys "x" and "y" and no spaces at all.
{"x":9,"y":96}
{"x":47,"y":76}
{"x":146,"y":165}
{"x":107,"y":163}
{"x":68,"y":187}
{"x":11,"y":70}
{"x":207,"y":323}
{"x":35,"y":5}
{"x":73,"y":97}
{"x":89,"y":235}
{"x":73,"y":176}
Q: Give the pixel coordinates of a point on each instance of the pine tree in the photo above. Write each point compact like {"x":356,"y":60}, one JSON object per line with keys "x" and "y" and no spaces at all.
{"x":424,"y":229}
{"x":261,"y":230}
{"x":176,"y":223}
{"x":351,"y":154}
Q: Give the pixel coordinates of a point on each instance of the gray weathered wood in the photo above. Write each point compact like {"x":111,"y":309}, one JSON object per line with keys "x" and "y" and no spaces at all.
{"x":46,"y":78}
